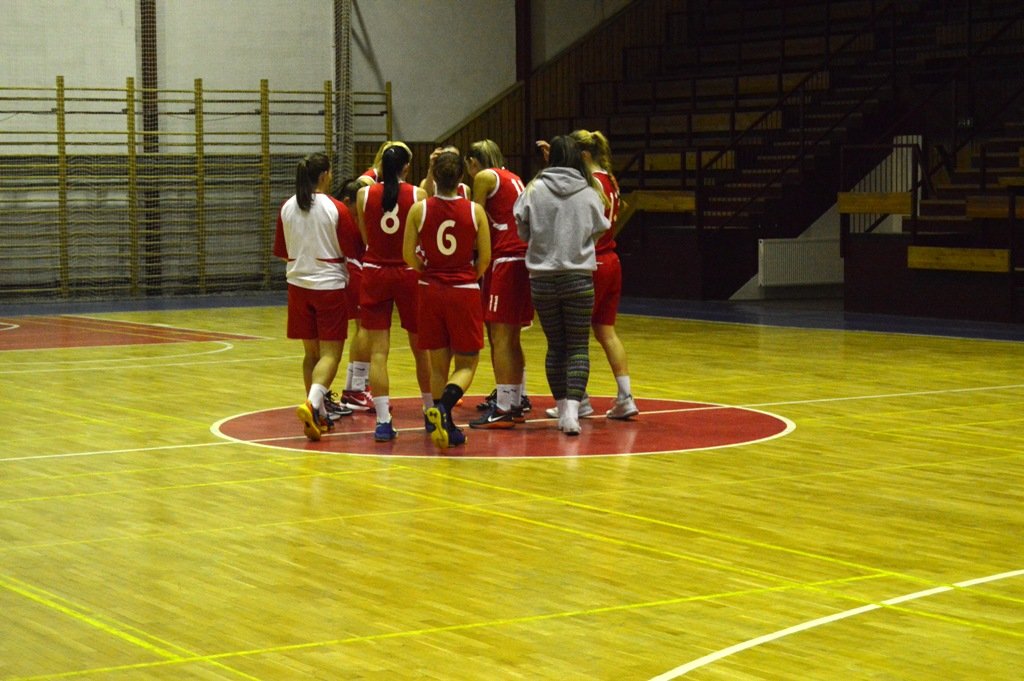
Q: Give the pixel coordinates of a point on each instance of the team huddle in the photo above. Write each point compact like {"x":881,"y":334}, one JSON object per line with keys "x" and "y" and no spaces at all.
{"x":455,"y":258}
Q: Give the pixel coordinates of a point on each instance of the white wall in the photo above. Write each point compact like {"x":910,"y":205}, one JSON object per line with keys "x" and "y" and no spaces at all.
{"x":86,"y":41}
{"x":444,"y":58}
{"x":233,"y":44}
{"x":557,"y":24}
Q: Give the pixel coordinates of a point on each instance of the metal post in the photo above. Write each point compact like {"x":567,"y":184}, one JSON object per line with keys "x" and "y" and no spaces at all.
{"x":265,"y":201}
{"x":133,"y":187}
{"x":328,"y":117}
{"x":343,"y":109}
{"x":387,"y":96}
{"x":62,"y":192}
{"x":200,"y":188}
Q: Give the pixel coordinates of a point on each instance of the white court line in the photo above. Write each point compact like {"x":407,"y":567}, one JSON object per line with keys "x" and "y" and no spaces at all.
{"x":944,"y":334}
{"x":215,"y":428}
{"x":883,"y":396}
{"x":163,"y":325}
{"x":60,"y":365}
{"x":156,"y":365}
{"x":782,"y":633}
{"x":7,"y":326}
{"x":68,"y":455}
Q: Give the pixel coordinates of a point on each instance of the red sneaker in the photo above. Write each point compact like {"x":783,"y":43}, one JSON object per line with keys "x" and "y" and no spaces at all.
{"x":357,"y":400}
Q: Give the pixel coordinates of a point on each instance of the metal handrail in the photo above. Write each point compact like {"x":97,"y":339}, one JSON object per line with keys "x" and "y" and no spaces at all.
{"x":955,"y":76}
{"x":887,"y":11}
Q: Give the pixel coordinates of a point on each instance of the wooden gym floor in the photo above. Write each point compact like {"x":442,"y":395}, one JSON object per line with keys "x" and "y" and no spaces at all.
{"x":793,"y":503}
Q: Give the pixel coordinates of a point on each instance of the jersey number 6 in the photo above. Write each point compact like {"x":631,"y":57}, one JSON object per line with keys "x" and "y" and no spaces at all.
{"x":446,"y":242}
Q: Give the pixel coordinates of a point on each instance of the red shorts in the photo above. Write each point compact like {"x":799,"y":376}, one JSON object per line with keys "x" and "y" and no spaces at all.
{"x":320,"y":314}
{"x":607,"y":289}
{"x":506,"y":293}
{"x":355,"y":285}
{"x":386,"y":287}
{"x":450,"y":317}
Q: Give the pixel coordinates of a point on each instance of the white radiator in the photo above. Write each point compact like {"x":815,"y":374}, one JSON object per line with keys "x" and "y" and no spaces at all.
{"x":799,"y":262}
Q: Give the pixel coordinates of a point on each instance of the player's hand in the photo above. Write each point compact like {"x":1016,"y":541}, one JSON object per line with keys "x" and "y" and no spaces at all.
{"x":545,"y":149}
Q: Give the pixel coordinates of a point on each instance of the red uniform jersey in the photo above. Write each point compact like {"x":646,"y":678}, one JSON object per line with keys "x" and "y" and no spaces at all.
{"x":448,"y":238}
{"x":384,"y":231}
{"x":606,"y":242}
{"x":349,"y":237}
{"x":505,"y":241}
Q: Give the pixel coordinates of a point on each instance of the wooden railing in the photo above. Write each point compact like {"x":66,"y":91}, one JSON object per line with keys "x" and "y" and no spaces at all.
{"x":102,"y":199}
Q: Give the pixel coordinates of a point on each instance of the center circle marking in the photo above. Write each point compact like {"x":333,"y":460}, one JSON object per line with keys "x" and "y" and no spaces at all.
{"x":663,"y":426}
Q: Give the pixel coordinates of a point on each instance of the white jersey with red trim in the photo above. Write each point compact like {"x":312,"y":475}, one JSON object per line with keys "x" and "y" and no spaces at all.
{"x":311,"y":242}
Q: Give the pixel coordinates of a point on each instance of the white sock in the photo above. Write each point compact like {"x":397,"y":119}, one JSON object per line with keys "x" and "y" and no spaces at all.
{"x":428,"y":400}
{"x":572,"y":410}
{"x":517,"y":396}
{"x":505,"y":391}
{"x":360,"y":372}
{"x":624,"y":388}
{"x":316,"y":396}
{"x":383,"y":407}
{"x":348,"y":376}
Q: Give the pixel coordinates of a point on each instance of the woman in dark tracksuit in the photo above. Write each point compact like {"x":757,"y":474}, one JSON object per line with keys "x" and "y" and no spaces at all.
{"x":560,"y":216}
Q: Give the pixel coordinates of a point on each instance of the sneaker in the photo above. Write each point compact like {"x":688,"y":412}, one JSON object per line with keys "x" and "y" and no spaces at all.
{"x":456,"y":437}
{"x":623,"y":409}
{"x":586,"y":409}
{"x":569,"y":426}
{"x":494,"y":418}
{"x":427,"y":424}
{"x":357,"y":400}
{"x":519,"y":414}
{"x":384,"y":432}
{"x":312,"y":423}
{"x":335,"y":409}
{"x":525,"y":404}
{"x":437,"y":425}
{"x":489,"y":401}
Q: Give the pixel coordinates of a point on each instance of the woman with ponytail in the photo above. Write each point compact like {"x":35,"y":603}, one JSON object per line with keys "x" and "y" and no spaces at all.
{"x":375,"y":173}
{"x":597,"y":156}
{"x":506,"y":286}
{"x":382,"y":209}
{"x":311,"y":228}
{"x":561,"y":216}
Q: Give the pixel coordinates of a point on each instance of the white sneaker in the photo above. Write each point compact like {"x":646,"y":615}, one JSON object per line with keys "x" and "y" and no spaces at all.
{"x":623,"y":409}
{"x":569,"y":425}
{"x":586,"y":409}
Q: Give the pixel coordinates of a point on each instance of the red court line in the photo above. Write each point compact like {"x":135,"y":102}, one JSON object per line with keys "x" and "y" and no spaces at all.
{"x":24,"y":333}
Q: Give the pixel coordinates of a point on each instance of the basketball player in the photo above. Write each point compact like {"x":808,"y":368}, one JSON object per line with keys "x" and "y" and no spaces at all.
{"x":311,"y":228}
{"x":357,"y":395}
{"x":506,"y":292}
{"x":374,"y":173}
{"x":382,"y":210}
{"x":446,"y":229}
{"x":429,"y":185}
